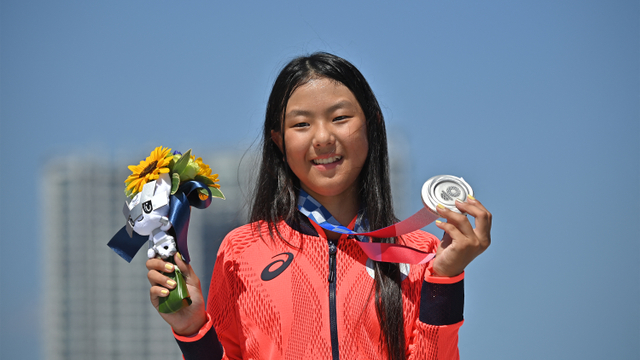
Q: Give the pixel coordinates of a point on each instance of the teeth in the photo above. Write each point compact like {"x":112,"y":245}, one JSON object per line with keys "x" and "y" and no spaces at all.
{"x":327,"y":160}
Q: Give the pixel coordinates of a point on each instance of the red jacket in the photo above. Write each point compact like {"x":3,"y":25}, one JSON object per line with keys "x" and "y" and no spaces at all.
{"x":273,"y":300}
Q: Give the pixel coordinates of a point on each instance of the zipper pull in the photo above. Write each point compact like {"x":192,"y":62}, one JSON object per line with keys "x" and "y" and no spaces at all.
{"x":333,"y":249}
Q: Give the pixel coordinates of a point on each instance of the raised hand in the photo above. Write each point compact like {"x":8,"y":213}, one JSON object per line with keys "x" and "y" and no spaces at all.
{"x":462,"y":243}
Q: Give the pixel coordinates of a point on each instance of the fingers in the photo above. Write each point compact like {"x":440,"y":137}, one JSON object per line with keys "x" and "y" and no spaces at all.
{"x":157,"y":292}
{"x":460,"y":222}
{"x":482,"y":217}
{"x":458,"y":226}
{"x":461,"y":242}
{"x":159,"y":265}
{"x":450,"y":232}
{"x":475,"y":208}
{"x":160,"y":283}
{"x":156,"y":278}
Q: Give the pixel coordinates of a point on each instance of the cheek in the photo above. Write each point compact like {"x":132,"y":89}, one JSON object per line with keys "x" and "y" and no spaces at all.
{"x":364,"y":152}
{"x":296,"y":146}
{"x":361,"y":144}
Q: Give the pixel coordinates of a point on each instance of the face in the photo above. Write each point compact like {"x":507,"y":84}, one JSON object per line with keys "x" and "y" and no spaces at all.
{"x":326,"y":138}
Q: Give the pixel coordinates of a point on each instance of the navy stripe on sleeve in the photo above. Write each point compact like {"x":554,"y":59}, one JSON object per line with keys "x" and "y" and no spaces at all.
{"x":208,"y":347}
{"x":442,"y":304}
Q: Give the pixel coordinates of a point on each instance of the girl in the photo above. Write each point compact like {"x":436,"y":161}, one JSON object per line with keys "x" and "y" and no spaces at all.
{"x":282,"y":286}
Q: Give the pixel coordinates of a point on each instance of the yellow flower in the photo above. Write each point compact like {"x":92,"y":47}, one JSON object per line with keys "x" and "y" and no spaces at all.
{"x":205,"y":170}
{"x":148,"y":170}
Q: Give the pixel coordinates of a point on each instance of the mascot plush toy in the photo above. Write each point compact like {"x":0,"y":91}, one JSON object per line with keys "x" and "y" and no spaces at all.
{"x":147,"y":215}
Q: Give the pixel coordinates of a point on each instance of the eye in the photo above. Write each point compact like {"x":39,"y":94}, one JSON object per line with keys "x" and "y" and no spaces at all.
{"x":133,"y":221}
{"x":340,"y":118}
{"x":300,"y":125}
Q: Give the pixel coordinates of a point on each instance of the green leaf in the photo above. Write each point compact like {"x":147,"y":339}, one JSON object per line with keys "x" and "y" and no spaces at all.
{"x":175,"y":182}
{"x":216,"y":193}
{"x":182,"y":163}
{"x":203,"y":179}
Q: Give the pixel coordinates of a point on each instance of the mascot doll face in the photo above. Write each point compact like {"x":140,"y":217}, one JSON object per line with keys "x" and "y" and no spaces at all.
{"x":149,"y":207}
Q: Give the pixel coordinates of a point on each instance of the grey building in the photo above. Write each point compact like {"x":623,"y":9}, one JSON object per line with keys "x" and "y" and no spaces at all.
{"x":96,"y":305}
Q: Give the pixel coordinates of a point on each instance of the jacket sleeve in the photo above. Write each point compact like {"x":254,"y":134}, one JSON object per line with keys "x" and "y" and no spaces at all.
{"x":202,"y":345}
{"x":220,"y":328}
{"x":441,"y":315}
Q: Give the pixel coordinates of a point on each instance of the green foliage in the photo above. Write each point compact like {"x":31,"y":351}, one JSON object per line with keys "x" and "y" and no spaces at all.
{"x":175,"y":182}
{"x":182,"y":163}
{"x":216,"y":193}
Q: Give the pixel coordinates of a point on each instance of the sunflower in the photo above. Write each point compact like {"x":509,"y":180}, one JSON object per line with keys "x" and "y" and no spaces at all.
{"x":205,"y":171}
{"x":148,"y":170}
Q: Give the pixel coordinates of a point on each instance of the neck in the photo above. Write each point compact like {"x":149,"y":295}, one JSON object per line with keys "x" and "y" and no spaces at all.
{"x":344,"y":207}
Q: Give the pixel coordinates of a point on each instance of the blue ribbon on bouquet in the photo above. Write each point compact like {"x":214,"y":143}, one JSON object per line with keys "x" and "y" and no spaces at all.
{"x":179,"y":214}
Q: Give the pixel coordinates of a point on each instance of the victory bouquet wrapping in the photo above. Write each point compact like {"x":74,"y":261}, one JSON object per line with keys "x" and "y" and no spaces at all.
{"x":161,"y":191}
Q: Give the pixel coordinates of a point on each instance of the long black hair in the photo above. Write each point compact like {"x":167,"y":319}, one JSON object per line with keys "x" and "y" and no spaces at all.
{"x":276,"y":189}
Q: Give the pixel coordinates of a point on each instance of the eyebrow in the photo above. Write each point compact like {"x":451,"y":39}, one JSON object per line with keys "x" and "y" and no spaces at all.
{"x":339,"y":105}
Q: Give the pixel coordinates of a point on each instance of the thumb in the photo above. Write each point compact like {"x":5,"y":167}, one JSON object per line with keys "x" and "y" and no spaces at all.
{"x":187,"y":271}
{"x":446,"y":240}
{"x":444,"y":243}
{"x":183,"y":266}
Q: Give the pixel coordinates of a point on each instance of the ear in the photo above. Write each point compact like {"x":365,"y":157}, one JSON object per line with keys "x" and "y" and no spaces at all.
{"x":276,"y":137}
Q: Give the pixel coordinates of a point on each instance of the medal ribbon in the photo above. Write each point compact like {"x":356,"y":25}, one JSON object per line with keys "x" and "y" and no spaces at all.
{"x":383,"y":252}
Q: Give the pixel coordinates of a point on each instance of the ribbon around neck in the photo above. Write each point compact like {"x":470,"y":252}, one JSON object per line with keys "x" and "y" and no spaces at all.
{"x":383,"y":252}
{"x":180,"y":211}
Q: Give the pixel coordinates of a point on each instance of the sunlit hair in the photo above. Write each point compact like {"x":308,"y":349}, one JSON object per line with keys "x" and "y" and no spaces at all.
{"x":277,"y":187}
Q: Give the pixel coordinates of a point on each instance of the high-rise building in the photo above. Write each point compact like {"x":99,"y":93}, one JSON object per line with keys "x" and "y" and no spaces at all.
{"x":96,"y":304}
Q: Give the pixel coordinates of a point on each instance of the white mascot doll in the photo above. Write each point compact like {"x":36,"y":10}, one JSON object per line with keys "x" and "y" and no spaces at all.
{"x":147,"y":215}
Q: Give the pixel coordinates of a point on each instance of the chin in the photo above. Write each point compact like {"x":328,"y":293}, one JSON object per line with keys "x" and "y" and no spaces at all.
{"x":332,"y":190}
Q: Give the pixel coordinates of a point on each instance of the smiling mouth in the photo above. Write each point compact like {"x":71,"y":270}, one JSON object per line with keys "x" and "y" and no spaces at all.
{"x":326,"y":161}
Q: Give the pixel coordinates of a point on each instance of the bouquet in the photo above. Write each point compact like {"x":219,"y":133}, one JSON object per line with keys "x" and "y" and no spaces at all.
{"x":161,"y":191}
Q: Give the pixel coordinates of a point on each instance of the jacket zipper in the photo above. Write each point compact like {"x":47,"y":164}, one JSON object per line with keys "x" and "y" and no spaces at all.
{"x":333,"y":317}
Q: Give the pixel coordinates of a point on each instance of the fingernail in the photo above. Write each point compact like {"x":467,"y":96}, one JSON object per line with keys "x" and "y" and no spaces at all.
{"x":440,"y":206}
{"x":168,"y":266}
{"x":438,"y":222}
{"x":171,"y":283}
{"x":164,"y":292}
{"x":471,"y":197}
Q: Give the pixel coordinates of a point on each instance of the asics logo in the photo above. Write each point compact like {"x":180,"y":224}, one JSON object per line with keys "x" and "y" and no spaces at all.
{"x":271,"y":271}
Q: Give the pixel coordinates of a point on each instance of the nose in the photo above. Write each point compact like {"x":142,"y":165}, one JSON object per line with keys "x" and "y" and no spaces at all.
{"x":323,"y":136}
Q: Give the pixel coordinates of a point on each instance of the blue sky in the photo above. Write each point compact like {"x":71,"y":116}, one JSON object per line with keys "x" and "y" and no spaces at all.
{"x":535,"y":103}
